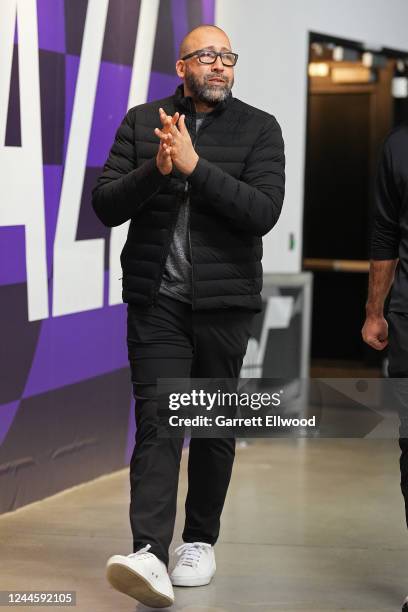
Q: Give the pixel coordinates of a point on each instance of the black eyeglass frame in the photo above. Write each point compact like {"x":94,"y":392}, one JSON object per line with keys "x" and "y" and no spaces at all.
{"x":216,"y":55}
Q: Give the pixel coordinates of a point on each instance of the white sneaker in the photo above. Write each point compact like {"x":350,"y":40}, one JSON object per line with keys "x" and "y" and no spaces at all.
{"x":196,"y":565}
{"x":142,"y":576}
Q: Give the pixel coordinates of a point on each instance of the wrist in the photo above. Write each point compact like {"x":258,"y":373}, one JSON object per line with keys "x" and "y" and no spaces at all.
{"x":374,"y":311}
{"x":160,"y":169}
{"x":193,"y":165}
{"x":162,"y":172}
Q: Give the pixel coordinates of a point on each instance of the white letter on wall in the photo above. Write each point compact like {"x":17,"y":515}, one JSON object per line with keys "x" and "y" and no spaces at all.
{"x":79,"y":265}
{"x":21,"y":171}
{"x":142,"y":62}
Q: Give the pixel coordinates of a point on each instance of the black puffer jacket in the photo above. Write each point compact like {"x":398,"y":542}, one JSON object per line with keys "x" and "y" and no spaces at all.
{"x":236,"y":194}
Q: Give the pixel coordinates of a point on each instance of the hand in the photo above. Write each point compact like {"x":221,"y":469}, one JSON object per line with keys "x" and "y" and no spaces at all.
{"x":182,"y":151}
{"x":163,"y":159}
{"x":375,"y":332}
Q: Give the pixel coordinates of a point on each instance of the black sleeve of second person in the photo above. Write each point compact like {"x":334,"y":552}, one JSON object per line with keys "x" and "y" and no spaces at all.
{"x":387,"y":203}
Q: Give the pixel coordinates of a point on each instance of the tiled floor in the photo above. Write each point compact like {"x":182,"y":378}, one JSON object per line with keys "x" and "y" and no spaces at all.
{"x":312,"y":525}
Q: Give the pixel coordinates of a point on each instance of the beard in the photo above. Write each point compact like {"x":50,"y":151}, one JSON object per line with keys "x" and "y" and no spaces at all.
{"x":207,"y":92}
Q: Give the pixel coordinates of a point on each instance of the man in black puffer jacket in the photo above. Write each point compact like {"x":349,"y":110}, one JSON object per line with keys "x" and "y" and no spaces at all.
{"x":200,"y":192}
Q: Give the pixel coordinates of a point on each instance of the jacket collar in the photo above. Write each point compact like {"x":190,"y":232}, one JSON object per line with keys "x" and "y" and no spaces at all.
{"x":186,"y":102}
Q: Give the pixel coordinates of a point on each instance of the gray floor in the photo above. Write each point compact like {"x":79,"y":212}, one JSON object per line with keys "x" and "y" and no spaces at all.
{"x":308,"y":525}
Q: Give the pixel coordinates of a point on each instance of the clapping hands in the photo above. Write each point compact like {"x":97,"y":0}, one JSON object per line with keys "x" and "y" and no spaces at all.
{"x":175,"y":145}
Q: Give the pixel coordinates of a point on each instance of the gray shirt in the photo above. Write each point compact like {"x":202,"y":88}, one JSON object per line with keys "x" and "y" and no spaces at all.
{"x":177,"y":275}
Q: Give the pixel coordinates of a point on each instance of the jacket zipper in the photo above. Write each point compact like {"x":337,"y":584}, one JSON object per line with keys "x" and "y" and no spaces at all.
{"x":188,"y":190}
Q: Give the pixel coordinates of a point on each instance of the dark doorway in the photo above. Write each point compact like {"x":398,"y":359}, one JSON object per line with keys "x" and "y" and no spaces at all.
{"x":338,"y":176}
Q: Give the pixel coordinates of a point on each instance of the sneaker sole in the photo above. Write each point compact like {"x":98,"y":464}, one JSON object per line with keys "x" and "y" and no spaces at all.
{"x":190,"y":582}
{"x":131,"y":583}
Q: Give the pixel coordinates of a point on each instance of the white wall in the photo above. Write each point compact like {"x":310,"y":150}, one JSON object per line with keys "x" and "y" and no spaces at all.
{"x":271,"y":38}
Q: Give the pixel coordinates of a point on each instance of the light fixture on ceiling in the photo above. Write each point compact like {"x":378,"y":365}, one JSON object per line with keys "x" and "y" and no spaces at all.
{"x":367,"y":59}
{"x":399,"y":87}
{"x":317,"y":49}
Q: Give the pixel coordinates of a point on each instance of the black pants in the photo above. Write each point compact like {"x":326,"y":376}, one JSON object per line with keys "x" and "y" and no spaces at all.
{"x":171,"y":340}
{"x":398,"y":368}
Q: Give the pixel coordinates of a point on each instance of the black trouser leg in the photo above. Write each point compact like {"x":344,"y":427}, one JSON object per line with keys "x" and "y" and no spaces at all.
{"x":220,"y":343}
{"x":155,"y":463}
{"x":398,"y":368}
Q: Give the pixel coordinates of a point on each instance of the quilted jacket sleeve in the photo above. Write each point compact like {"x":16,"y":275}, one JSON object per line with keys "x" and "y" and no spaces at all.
{"x":255,"y":201}
{"x":122,"y":188}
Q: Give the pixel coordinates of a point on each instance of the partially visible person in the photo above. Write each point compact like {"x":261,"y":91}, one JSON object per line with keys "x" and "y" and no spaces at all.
{"x":389,"y":270}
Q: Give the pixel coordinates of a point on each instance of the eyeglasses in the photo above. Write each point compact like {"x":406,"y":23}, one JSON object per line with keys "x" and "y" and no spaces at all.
{"x":205,"y":56}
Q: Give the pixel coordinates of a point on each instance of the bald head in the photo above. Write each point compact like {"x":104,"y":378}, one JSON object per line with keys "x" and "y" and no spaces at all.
{"x":203,"y":37}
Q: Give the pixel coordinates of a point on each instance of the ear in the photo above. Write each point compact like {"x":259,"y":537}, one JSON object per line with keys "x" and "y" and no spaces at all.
{"x":180,"y":68}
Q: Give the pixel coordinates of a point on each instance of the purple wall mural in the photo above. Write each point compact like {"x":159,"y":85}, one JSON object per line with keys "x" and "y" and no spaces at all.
{"x":66,"y":413}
